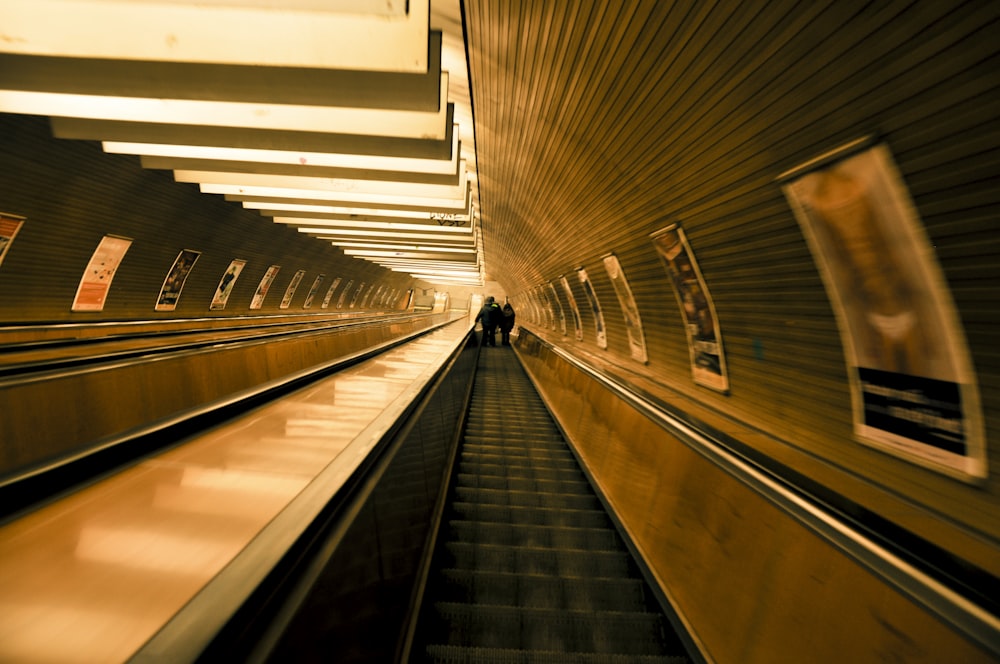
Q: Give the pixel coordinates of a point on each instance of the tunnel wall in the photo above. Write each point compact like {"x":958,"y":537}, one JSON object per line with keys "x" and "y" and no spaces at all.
{"x":694,"y":123}
{"x":72,"y":194}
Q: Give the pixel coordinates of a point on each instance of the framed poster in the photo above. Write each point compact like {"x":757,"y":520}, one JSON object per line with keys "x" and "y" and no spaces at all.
{"x":595,"y":307}
{"x":558,"y":308}
{"x":633,"y":324}
{"x":226,"y":283}
{"x":574,"y":309}
{"x":92,"y":292}
{"x":329,"y":292}
{"x":367,"y":296}
{"x":10,"y":224}
{"x":343,"y":294}
{"x":173,"y":283}
{"x":317,"y":282}
{"x":708,"y":361}
{"x":293,"y":285}
{"x":264,"y":286}
{"x":357,"y":294}
{"x":914,"y":393}
{"x":547,"y":307}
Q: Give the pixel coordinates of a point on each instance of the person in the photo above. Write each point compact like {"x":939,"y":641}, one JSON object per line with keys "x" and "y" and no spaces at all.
{"x":506,"y":323}
{"x":489,"y":315}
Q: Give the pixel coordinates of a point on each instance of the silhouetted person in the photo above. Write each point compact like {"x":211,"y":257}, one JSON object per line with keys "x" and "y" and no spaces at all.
{"x":490,"y":315}
{"x":506,"y":323}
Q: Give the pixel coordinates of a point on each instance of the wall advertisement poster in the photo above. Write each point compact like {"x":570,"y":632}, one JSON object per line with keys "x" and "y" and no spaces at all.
{"x":708,"y":362}
{"x":329,"y":292}
{"x":10,"y":224}
{"x":595,"y":307}
{"x":317,"y":282}
{"x":630,"y":312}
{"x":914,"y":392}
{"x":574,"y":309}
{"x":173,"y":283}
{"x":265,"y":285}
{"x":226,"y":283}
{"x":286,"y":300}
{"x":557,"y":309}
{"x":92,"y":292}
{"x":343,"y":294}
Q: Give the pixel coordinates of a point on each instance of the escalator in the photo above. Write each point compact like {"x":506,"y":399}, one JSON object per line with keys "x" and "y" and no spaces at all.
{"x":528,"y":566}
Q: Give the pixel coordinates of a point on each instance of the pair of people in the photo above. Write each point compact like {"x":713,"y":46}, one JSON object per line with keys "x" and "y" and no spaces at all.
{"x":493,"y":316}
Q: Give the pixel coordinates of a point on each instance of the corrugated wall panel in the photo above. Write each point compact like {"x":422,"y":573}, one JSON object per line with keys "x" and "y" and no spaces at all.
{"x":599,"y":124}
{"x":87,"y":194}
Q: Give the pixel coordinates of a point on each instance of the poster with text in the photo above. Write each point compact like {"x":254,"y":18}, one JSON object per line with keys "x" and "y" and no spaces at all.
{"x":595,"y":307}
{"x":92,"y":292}
{"x":633,"y":324}
{"x":265,"y":285}
{"x":343,"y":294}
{"x":559,"y":308}
{"x":292,"y":287}
{"x":708,"y":362}
{"x":329,"y":292}
{"x":547,"y":307}
{"x":317,"y":282}
{"x":226,"y":283}
{"x":913,"y":389}
{"x":574,"y":309}
{"x":10,"y":224}
{"x":357,"y":294}
{"x":173,"y":283}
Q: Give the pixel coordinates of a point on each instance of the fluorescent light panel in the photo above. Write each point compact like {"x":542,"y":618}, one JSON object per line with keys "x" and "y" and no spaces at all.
{"x":374,"y":225}
{"x":398,"y":247}
{"x":365,"y":234}
{"x":362,"y":121}
{"x":375,"y":187}
{"x":445,"y":205}
{"x":287,"y":157}
{"x":302,"y":35}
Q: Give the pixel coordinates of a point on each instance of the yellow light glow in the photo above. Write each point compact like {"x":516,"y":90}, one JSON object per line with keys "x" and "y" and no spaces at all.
{"x":220,"y":32}
{"x":374,"y":225}
{"x":376,"y":187}
{"x":292,"y":158}
{"x":366,"y":234}
{"x":363,"y":121}
{"x":404,"y":247}
{"x":361,"y":253}
{"x":449,"y":205}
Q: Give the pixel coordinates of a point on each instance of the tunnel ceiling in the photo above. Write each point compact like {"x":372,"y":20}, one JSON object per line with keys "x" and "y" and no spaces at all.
{"x":349,"y":120}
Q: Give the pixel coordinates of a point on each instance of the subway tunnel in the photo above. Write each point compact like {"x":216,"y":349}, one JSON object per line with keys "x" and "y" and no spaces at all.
{"x":749,"y":412}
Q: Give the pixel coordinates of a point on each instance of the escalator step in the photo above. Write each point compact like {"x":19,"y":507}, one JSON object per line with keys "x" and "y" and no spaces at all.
{"x":524,"y":560}
{"x":529,"y":567}
{"x":526,"y":498}
{"x":502,"y":483}
{"x":587,"y":518}
{"x":517,"y":451}
{"x":545,"y":537}
{"x":500,"y":459}
{"x":630,"y":633}
{"x":442,"y":654}
{"x":491,"y":469}
{"x":540,"y":591}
